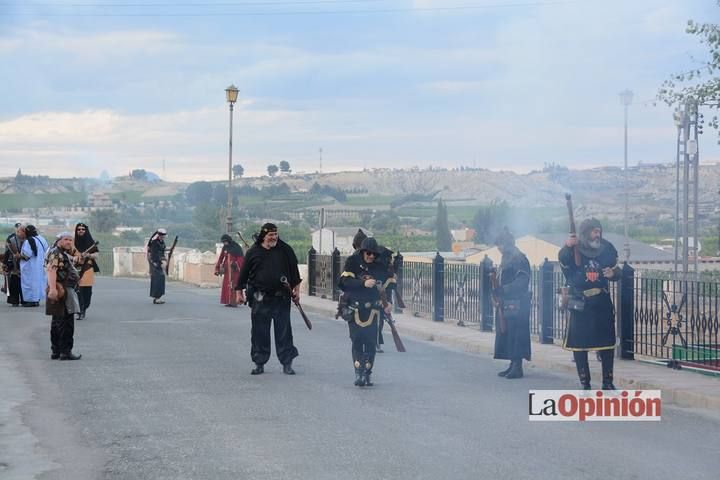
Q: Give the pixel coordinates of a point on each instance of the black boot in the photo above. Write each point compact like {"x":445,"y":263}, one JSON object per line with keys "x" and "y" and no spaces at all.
{"x":608,"y":359}
{"x":506,"y":371}
{"x":359,"y":378}
{"x":258,"y":369}
{"x":367,"y":373}
{"x":287,"y":369}
{"x":70,"y":356}
{"x":583,"y":369}
{"x":516,"y":370}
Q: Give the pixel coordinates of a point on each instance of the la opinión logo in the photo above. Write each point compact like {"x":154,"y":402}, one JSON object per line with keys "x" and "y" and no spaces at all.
{"x":594,"y":405}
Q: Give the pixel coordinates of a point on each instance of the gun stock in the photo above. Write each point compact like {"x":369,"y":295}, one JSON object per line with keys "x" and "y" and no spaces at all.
{"x":87,"y":263}
{"x":243,"y":239}
{"x":383,"y":299}
{"x":573,"y":233}
{"x":305,"y":318}
{"x":172,"y":249}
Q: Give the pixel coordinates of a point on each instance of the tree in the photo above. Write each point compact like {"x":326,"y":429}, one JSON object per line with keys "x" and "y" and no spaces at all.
{"x":489,"y":221}
{"x":272,"y":170}
{"x":199,"y":192}
{"x":238,"y":171}
{"x":701,"y":85}
{"x":138,"y":174}
{"x":442,"y":230}
{"x":284,"y":167}
{"x":103,"y":220}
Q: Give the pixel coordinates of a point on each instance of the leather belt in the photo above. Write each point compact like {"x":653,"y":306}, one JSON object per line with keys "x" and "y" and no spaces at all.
{"x":591,"y":292}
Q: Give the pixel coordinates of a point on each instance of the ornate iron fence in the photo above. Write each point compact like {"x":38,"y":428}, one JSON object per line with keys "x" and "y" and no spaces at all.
{"x":677,"y":320}
{"x":417,"y":288}
{"x":105,"y":263}
{"x":463,"y":290}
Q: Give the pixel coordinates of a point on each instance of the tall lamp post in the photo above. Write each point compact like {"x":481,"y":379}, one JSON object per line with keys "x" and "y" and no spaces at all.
{"x":626,"y":97}
{"x":231,"y":94}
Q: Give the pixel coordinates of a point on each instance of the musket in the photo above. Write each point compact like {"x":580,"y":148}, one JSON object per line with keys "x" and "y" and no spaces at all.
{"x":247,"y":245}
{"x":568,"y":202}
{"x":172,"y":249}
{"x":502,"y":324}
{"x":87,"y":265}
{"x":390,"y":321}
{"x":296,"y":301}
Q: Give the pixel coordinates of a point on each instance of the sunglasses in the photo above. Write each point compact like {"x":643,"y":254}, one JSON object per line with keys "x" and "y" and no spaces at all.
{"x":80,"y":230}
{"x":371,"y":253}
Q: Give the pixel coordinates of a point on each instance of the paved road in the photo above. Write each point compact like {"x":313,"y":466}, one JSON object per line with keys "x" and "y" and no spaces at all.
{"x":164,"y":392}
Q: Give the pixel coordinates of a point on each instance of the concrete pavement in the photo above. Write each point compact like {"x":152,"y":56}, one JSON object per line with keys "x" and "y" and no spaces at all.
{"x":683,"y":388}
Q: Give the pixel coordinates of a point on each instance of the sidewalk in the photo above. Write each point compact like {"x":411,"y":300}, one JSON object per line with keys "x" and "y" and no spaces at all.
{"x":679,"y":387}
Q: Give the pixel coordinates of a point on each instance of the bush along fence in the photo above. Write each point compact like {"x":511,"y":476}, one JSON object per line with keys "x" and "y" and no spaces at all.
{"x":657,"y":317}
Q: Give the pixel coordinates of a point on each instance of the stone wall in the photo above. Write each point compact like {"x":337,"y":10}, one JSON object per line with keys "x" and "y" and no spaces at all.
{"x":187,"y":265}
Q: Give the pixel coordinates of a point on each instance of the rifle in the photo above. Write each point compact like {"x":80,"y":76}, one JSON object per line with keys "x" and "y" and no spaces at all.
{"x":398,"y":296}
{"x":296,"y":301}
{"x":172,"y":249}
{"x":568,"y":201}
{"x":502,"y":324}
{"x":87,"y":264}
{"x":247,"y":245}
{"x":383,"y":299}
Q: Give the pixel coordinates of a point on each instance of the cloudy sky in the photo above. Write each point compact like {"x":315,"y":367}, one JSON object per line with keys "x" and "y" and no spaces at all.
{"x":93,"y":85}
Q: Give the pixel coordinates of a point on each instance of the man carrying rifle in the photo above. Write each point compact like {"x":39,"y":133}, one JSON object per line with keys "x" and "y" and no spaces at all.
{"x":85,"y":254}
{"x":589,"y":263}
{"x":359,"y":280}
{"x":512,"y":298}
{"x":156,"y":257}
{"x":267,"y":263}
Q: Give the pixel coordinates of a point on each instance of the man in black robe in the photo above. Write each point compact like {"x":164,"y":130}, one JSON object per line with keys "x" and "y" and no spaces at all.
{"x":267,"y":263}
{"x":156,"y":258}
{"x":359,"y":280}
{"x":592,"y":316}
{"x":512,"y":329}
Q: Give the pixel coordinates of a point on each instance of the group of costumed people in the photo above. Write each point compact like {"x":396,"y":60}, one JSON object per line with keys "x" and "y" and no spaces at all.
{"x":267,"y":278}
{"x":589,"y":263}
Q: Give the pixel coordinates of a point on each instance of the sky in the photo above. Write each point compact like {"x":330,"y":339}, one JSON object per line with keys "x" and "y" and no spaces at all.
{"x":113,"y":85}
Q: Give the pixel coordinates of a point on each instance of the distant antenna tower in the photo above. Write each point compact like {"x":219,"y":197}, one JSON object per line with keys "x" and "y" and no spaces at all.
{"x":321,"y":160}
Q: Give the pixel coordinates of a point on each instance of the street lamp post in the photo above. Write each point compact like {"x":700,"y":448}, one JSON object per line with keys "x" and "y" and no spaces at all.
{"x":626,"y":97}
{"x":231,"y":94}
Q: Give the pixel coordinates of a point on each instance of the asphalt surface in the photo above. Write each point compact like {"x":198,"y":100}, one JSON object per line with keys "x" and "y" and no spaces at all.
{"x":165,"y":392}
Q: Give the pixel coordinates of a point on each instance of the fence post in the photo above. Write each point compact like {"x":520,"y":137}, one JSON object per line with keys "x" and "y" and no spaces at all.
{"x":486,"y":303}
{"x":312,"y":256}
{"x":627,"y":313}
{"x":438,"y":270}
{"x":398,"y":266}
{"x":546,"y":300}
{"x":335,"y":274}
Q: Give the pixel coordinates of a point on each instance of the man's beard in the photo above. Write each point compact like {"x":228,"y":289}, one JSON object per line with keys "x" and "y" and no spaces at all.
{"x":272,"y":243}
{"x":595,"y":244}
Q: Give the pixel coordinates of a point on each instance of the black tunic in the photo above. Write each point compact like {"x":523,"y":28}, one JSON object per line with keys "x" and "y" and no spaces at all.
{"x":514,"y":279}
{"x":593,"y":328}
{"x":156,"y":257}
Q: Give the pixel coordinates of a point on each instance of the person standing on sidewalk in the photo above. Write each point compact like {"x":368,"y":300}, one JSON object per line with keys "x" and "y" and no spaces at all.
{"x":228,"y":265}
{"x":359,"y":280}
{"x":156,"y":257}
{"x":589,"y":263}
{"x":86,"y":253}
{"x":267,"y":263}
{"x":62,"y":301}
{"x":512,"y":294}
{"x":32,"y":272}
{"x":11,"y":266}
